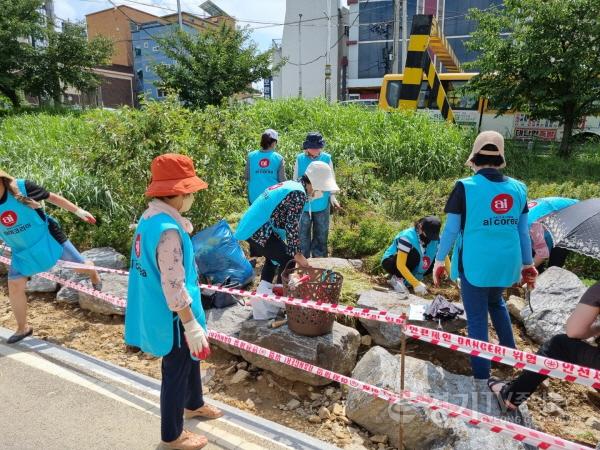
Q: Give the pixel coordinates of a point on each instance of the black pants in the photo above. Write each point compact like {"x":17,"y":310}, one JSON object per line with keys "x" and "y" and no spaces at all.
{"x":273,"y":250}
{"x":389,"y":264}
{"x":560,"y":347}
{"x":557,"y":258}
{"x":181,"y":386}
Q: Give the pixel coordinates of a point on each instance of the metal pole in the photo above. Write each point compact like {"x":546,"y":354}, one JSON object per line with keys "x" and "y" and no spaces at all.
{"x":179,"y":17}
{"x":401,"y":428}
{"x":396,"y":38}
{"x":404,"y":32}
{"x":300,"y":56}
{"x":328,"y":55}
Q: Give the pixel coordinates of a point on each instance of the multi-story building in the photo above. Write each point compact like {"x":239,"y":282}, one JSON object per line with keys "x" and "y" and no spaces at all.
{"x":304,"y":46}
{"x":370,"y":42}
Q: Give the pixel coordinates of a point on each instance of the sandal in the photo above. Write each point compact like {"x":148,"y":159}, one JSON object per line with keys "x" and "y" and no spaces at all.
{"x":19,"y":337}
{"x":187,"y":441}
{"x":503,"y":403}
{"x":206,"y":412}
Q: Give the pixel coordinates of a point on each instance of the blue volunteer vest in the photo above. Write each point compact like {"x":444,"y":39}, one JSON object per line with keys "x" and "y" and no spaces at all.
{"x":489,"y":245}
{"x":148,"y":319}
{"x":262,"y":170}
{"x":33,"y":248}
{"x":260,"y":210}
{"x":303,"y":161}
{"x":411,"y":235}
{"x":541,"y":207}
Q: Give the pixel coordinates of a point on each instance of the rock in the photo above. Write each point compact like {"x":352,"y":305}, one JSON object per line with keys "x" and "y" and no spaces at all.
{"x":324,"y":413}
{"x":366,"y":340}
{"x":553,"y":410}
{"x":314,"y":419}
{"x":335,"y":351}
{"x":293,"y":404}
{"x":356,"y":263}
{"x":389,"y":335}
{"x":555,"y":296}
{"x":239,"y":376}
{"x":557,"y":398}
{"x":242,"y":365}
{"x":331,"y":263}
{"x":102,"y":257}
{"x":230,"y":370}
{"x":338,"y":409}
{"x":111,"y":284}
{"x":515,"y":306}
{"x":336,"y":397}
{"x":379,"y":438}
{"x":250,"y":404}
{"x":314,"y":396}
{"x":38,"y":284}
{"x":329,"y":392}
{"x":228,"y":321}
{"x":341,"y":435}
{"x":593,"y":422}
{"x":423,"y":429}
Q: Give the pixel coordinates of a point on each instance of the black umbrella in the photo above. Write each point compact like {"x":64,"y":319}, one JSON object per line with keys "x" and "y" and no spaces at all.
{"x":577,"y":227}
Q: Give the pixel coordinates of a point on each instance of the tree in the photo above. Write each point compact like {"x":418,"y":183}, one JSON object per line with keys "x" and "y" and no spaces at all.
{"x":66,"y":60}
{"x":548,"y":65}
{"x":20,"y":21}
{"x":212,"y":65}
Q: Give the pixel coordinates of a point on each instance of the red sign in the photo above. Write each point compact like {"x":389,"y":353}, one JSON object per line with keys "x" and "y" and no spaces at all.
{"x":532,"y":204}
{"x":426,"y":262}
{"x":8,"y":218}
{"x":138,"y":245}
{"x":502,"y":203}
{"x":264,"y":163}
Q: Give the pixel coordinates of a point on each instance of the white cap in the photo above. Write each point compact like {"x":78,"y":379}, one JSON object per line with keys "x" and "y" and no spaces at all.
{"x":272,"y":134}
{"x":321,"y":177}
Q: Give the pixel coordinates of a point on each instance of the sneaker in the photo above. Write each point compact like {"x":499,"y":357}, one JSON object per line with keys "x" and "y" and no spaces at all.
{"x":397,"y":284}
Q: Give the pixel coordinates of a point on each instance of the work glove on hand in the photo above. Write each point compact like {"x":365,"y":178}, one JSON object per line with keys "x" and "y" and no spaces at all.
{"x":85,"y":216}
{"x":196,"y":339}
{"x":439,"y":272}
{"x":528,"y":275}
{"x":420,"y":289}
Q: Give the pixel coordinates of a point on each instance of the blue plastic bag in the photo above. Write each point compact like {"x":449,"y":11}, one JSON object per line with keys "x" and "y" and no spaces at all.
{"x":219,"y":255}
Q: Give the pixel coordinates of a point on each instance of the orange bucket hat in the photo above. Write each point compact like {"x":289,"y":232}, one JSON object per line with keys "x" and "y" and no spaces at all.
{"x":173,"y":174}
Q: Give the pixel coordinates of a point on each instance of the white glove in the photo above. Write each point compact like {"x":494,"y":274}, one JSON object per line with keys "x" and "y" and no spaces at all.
{"x":85,"y":216}
{"x":334,"y":202}
{"x":196,"y":339}
{"x":420,"y":289}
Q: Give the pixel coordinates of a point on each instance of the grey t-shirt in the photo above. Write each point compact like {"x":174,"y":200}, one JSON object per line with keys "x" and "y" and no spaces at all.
{"x":592,"y":296}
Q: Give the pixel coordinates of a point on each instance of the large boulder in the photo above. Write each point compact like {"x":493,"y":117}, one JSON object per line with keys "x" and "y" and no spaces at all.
{"x":554,"y":298}
{"x":389,"y":335}
{"x":111,"y":284}
{"x":38,"y":284}
{"x":335,"y":351}
{"x":336,"y":263}
{"x":422,"y":428}
{"x":228,"y":321}
{"x":102,"y":257}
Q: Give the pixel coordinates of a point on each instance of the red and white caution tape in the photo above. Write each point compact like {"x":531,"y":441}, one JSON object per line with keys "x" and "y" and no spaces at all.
{"x":113,"y":299}
{"x":509,"y":356}
{"x":493,"y":424}
{"x":78,"y":266}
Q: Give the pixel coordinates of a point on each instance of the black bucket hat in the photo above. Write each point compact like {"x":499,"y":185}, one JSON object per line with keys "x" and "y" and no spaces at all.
{"x":313,"y":139}
{"x":431,"y":226}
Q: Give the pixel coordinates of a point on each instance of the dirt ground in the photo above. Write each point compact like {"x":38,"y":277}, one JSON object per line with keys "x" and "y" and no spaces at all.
{"x":265,"y":394}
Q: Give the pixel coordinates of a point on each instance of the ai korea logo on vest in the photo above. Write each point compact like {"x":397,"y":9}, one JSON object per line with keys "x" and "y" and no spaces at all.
{"x":502,"y":203}
{"x":8,"y":218}
{"x":426,"y":262}
{"x":264,"y":163}
{"x":138,"y":245}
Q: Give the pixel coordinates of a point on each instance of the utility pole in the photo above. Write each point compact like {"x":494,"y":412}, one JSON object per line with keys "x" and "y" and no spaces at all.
{"x":404,"y":32}
{"x":300,"y":56}
{"x":328,"y":55}
{"x":179,"y":16}
{"x":396,"y":38}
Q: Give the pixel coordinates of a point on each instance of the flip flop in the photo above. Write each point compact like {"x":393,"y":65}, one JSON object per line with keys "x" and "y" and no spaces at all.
{"x":502,"y":402}
{"x":206,"y":412}
{"x":187,"y":441}
{"x":19,"y":337}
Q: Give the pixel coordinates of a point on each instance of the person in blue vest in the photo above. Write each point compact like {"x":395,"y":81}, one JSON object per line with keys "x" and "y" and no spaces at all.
{"x":487,"y":218}
{"x":164,"y":315}
{"x":272,"y":227}
{"x":36,"y":241}
{"x":264,"y":167}
{"x":410,"y":256}
{"x":314,"y":225}
{"x":541,"y":239}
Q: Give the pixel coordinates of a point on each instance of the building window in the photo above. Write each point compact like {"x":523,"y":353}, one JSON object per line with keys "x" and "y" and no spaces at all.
{"x":456,"y":23}
{"x":155,"y":48}
{"x":145,"y":44}
{"x":138,"y":51}
{"x":161,"y":93}
{"x":375,"y":21}
{"x":374,"y":59}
